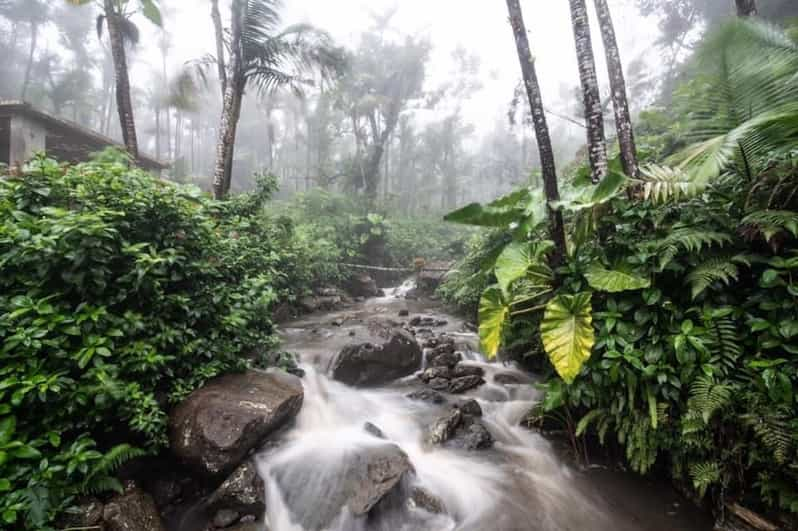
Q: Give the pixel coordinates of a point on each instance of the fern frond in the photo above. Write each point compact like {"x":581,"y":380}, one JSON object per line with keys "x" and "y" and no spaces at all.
{"x":687,"y":239}
{"x":704,"y":475}
{"x":662,"y":184}
{"x":584,"y":422}
{"x":724,"y":343}
{"x":711,"y":271}
{"x":707,"y":397}
{"x":773,"y":430}
{"x":771,"y":222}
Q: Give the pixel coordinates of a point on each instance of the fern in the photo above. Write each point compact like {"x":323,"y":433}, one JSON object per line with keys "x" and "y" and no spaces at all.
{"x":707,"y":397}
{"x":661,"y":184}
{"x":711,"y":271}
{"x":773,"y":430}
{"x":724,"y":343}
{"x":704,"y":475}
{"x":584,"y":422}
{"x":100,"y":478}
{"x":771,"y":222}
{"x":687,"y":239}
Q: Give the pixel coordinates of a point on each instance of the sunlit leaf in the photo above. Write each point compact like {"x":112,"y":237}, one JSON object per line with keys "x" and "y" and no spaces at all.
{"x":567,"y":333}
{"x":493,"y":313}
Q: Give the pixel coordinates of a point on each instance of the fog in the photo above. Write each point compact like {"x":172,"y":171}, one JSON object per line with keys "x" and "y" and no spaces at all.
{"x":453,"y":142}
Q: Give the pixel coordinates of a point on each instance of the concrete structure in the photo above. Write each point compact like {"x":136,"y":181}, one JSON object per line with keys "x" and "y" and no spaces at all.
{"x":25,"y":131}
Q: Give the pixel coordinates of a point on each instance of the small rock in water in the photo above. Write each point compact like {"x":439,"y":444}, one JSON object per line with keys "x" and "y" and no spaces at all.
{"x":243,"y":493}
{"x":445,"y":427}
{"x":404,"y":313}
{"x":338,"y":322}
{"x":427,"y":395}
{"x":431,"y":342}
{"x":373,"y":430}
{"x":473,"y":435}
{"x":351,"y":333}
{"x":467,"y":370}
{"x":508,"y":378}
{"x":470,"y":407}
{"x":435,"y":372}
{"x":441,"y":322}
{"x":465,"y":383}
{"x":444,"y":359}
{"x":421,"y":498}
{"x":439,"y":384}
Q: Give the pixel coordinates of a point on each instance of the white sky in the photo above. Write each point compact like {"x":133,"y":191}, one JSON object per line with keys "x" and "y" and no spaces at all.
{"x":478,"y":25}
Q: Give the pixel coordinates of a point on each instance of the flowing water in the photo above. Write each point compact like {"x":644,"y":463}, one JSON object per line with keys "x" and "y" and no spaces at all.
{"x":520,"y":484}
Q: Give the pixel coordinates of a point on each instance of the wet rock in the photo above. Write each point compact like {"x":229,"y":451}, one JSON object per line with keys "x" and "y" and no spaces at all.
{"x":87,"y":512}
{"x":413,"y":294}
{"x":470,"y":407}
{"x":446,"y":346}
{"x":317,"y":304}
{"x":472,"y":435}
{"x":444,"y":359}
{"x":362,"y":286}
{"x":338,"y":322}
{"x":329,"y":292}
{"x":439,"y":384}
{"x":134,"y":510}
{"x":445,"y":427}
{"x":423,"y":320}
{"x":361,"y":477}
{"x":421,"y":498}
{"x":431,"y":342}
{"x":215,"y":428}
{"x":467,"y":370}
{"x":243,"y":493}
{"x":368,"y":364}
{"x":465,"y":383}
{"x":509,"y":378}
{"x":404,"y":313}
{"x":165,"y":490}
{"x":441,"y":322}
{"x":373,"y":430}
{"x":435,"y":372}
{"x":427,"y":395}
{"x":352,"y":333}
{"x":225,"y":518}
{"x":380,"y":293}
{"x":248,"y":526}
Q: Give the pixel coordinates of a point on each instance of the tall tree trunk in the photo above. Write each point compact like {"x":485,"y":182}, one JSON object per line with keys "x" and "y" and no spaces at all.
{"x":549,"y":169}
{"x":158,"y":132}
{"x":623,"y":119}
{"x":123,"y":101}
{"x":596,"y":141}
{"x":167,"y":110}
{"x":34,"y":39}
{"x":218,"y":31}
{"x":746,"y":8}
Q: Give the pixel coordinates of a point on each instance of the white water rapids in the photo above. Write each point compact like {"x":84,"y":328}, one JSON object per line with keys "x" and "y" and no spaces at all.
{"x":520,"y":484}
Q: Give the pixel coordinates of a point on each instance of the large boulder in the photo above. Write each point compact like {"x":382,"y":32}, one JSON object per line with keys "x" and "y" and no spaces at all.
{"x":369,"y":364}
{"x":362,"y":285}
{"x":218,"y":425}
{"x":133,"y":510}
{"x":357,"y":480}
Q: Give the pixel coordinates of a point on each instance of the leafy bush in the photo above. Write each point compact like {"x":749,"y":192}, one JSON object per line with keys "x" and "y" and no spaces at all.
{"x":673,"y":324}
{"x":119,"y":295}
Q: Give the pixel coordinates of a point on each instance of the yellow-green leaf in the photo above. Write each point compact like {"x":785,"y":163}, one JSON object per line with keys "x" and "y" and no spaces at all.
{"x":493,"y":313}
{"x":567,"y":333}
{"x":615,"y":281}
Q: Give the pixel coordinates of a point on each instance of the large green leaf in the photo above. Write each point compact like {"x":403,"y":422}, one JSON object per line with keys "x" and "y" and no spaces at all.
{"x":518,"y":259}
{"x":615,"y":281}
{"x":567,"y":333}
{"x":608,"y":188}
{"x":493,"y":314}
{"x":150,"y":10}
{"x":501,"y":213}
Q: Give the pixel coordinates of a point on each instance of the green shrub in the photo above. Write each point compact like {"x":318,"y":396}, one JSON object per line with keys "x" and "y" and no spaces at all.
{"x":119,"y":295}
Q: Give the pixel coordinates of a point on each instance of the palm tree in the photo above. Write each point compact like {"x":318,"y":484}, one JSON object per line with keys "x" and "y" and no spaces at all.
{"x":263,"y":57}
{"x":746,"y":8}
{"x":594,"y":117}
{"x":549,"y":169}
{"x":623,"y":119}
{"x":116,"y":17}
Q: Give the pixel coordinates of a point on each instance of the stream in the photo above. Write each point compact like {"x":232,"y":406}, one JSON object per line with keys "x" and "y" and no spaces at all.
{"x":520,"y":484}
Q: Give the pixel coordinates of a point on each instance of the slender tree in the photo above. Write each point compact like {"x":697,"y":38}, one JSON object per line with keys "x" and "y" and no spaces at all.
{"x":267,"y":58}
{"x":548,"y":167}
{"x":115,"y":16}
{"x":594,"y":117}
{"x":36,"y":13}
{"x":623,"y":118}
{"x":746,"y":8}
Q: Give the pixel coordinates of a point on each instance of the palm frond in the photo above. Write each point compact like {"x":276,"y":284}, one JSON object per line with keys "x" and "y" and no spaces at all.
{"x":662,"y":184}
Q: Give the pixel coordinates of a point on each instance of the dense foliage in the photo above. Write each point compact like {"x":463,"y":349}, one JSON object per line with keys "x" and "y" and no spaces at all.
{"x":119,"y":295}
{"x":673,"y":324}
